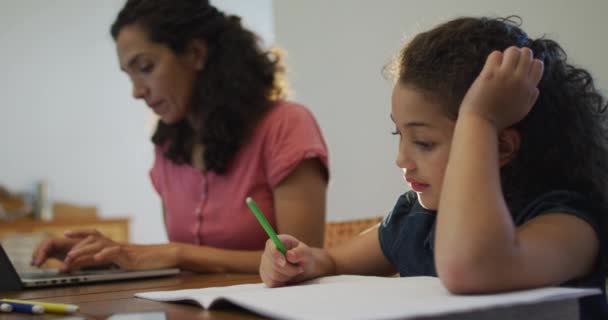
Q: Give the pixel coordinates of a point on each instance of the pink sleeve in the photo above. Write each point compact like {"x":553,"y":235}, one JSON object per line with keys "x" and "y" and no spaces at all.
{"x":155,"y":171}
{"x":293,"y":135}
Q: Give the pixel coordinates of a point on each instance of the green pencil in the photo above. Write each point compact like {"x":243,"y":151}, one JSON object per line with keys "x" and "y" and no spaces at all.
{"x":258,"y":214}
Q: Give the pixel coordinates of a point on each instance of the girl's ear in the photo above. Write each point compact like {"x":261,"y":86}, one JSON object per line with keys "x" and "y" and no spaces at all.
{"x":508,"y":145}
{"x":197,"y":54}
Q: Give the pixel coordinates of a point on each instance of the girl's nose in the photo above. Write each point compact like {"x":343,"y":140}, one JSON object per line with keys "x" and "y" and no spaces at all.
{"x":404,"y":161}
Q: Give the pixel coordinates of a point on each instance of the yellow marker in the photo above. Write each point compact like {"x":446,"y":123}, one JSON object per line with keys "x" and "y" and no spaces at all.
{"x":48,"y":307}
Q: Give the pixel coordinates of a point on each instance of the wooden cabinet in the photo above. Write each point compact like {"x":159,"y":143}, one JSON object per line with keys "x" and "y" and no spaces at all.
{"x":117,"y":228}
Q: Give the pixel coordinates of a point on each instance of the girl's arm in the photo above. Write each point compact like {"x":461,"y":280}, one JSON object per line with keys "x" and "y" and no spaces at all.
{"x":362,"y":255}
{"x":477,"y":247}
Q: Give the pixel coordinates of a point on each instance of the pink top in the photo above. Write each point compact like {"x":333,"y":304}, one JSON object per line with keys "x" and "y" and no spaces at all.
{"x":209,"y":209}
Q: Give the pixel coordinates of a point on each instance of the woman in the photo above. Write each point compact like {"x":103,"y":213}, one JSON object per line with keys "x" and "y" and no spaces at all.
{"x":225,"y":133}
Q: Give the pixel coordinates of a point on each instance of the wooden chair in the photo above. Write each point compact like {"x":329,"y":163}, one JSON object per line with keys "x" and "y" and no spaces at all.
{"x":337,"y":232}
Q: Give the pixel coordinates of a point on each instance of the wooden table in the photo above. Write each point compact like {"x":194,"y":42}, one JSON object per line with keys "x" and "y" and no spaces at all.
{"x":98,"y":301}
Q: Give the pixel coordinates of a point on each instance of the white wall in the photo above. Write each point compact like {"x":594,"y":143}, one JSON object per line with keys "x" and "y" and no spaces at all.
{"x":67,"y":115}
{"x":336,"y":50}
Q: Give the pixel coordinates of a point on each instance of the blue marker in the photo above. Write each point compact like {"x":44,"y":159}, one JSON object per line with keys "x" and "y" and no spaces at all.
{"x":24,"y":308}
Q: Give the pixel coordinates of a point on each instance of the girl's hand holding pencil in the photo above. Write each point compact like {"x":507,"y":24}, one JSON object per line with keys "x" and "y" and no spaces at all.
{"x":296,"y":265}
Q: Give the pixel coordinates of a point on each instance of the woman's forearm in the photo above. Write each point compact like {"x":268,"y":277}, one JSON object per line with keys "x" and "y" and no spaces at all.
{"x":210,"y":259}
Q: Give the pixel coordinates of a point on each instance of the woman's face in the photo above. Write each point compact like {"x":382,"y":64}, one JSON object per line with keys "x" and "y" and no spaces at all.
{"x":163,"y":79}
{"x":425,"y":137}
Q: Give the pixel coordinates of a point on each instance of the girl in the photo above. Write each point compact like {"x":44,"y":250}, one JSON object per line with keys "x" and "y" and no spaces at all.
{"x":503,"y":144}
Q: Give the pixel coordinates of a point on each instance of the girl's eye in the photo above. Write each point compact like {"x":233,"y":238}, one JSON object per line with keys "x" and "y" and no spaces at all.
{"x":424,"y":145}
{"x":396,"y":133}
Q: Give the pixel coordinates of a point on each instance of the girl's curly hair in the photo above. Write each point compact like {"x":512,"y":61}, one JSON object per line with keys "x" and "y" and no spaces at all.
{"x":564,"y":140}
{"x":238,"y":85}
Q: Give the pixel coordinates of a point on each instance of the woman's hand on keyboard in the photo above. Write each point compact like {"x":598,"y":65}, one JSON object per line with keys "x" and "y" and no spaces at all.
{"x":95,"y":249}
{"x":85,"y":253}
{"x":52,"y":248}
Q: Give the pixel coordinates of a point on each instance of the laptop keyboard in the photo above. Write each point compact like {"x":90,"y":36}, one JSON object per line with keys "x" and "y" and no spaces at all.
{"x":20,"y":247}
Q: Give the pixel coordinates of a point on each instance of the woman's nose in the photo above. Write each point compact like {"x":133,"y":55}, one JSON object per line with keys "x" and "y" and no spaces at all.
{"x":139,"y":91}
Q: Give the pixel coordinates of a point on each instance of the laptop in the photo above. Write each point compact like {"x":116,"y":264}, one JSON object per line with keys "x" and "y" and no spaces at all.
{"x":11,"y":279}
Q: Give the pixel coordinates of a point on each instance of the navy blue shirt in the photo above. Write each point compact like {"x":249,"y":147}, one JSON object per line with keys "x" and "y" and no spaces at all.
{"x":407,"y":238}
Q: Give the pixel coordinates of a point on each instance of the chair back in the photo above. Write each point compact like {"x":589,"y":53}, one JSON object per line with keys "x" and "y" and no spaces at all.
{"x":337,"y":232}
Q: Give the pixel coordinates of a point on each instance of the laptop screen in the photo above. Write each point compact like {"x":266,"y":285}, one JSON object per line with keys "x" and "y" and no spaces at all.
{"x":8,"y":274}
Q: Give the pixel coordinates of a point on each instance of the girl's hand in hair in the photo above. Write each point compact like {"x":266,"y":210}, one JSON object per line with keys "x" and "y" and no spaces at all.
{"x":506,"y":89}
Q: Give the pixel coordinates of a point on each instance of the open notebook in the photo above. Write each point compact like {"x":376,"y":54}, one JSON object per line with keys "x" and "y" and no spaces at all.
{"x":359,"y":297}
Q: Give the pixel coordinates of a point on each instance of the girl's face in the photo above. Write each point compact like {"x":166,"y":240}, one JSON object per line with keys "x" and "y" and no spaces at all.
{"x":163,"y":79}
{"x":425,"y":136}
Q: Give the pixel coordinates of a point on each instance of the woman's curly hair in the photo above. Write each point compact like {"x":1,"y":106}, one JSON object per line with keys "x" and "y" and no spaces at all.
{"x":238,"y":85}
{"x":564,"y":140}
